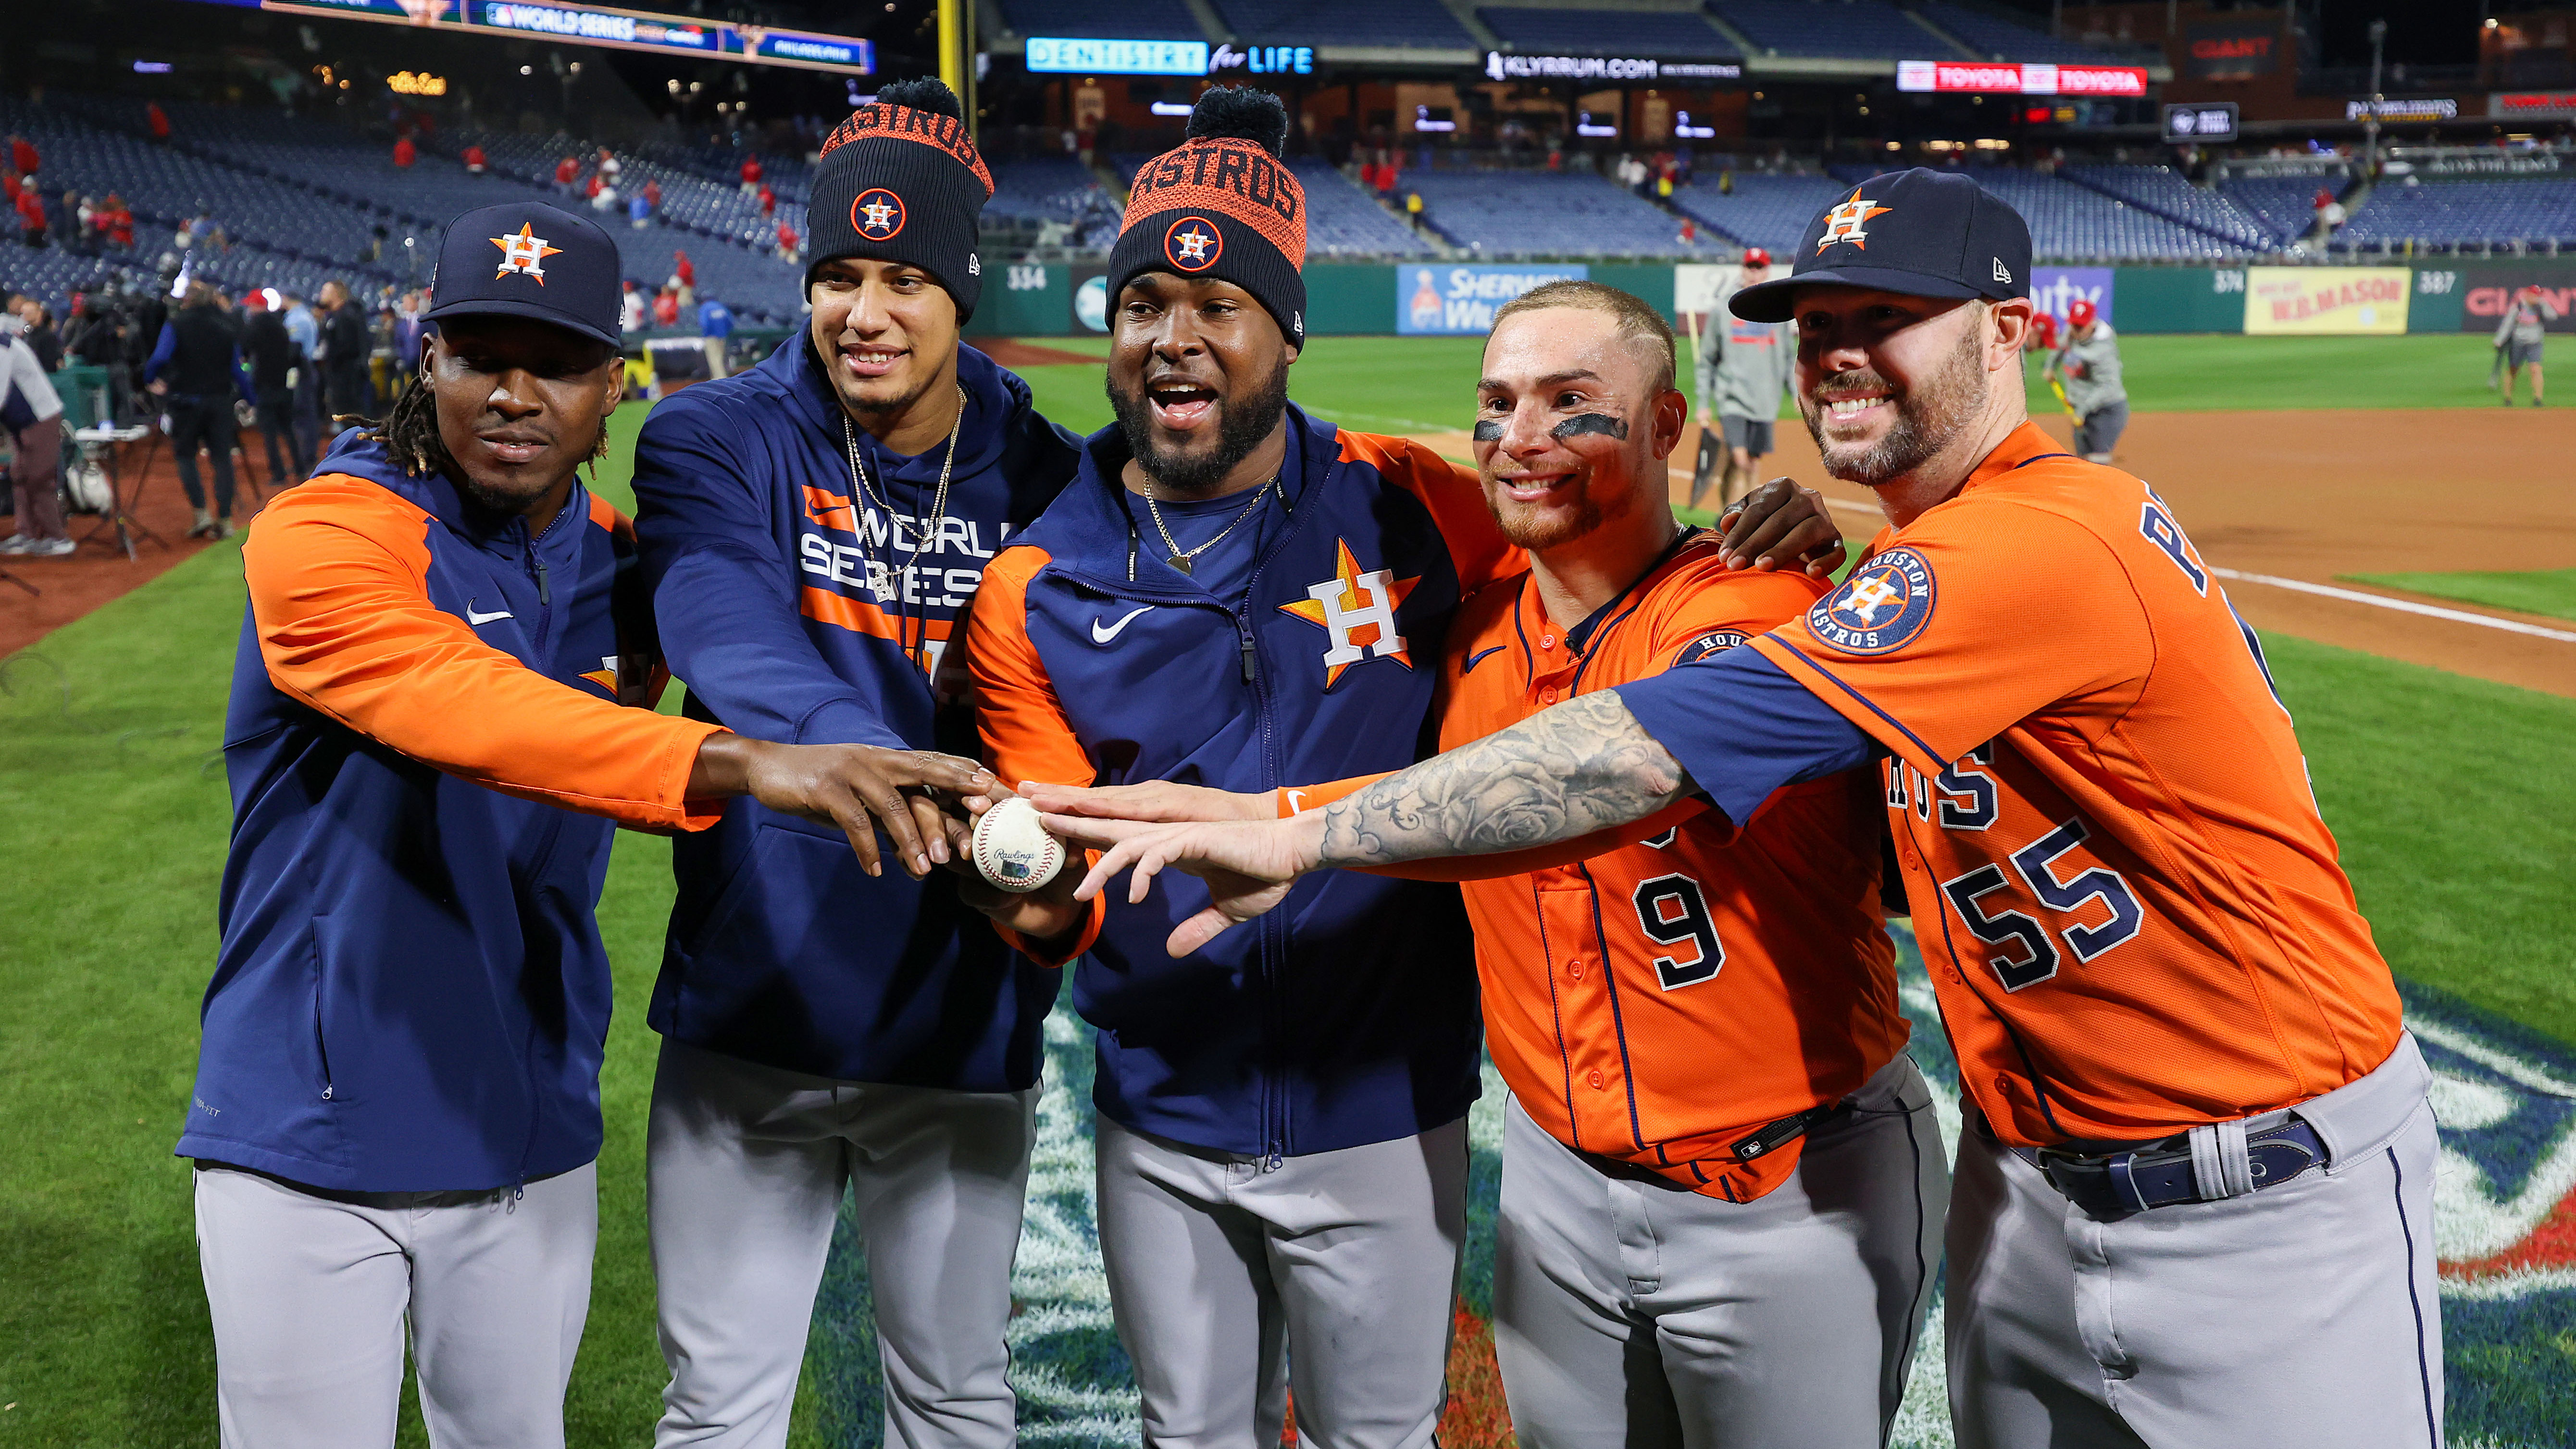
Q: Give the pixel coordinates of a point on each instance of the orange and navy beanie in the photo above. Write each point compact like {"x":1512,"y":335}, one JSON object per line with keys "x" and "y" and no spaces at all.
{"x":1222,"y":205}
{"x":901,"y":181}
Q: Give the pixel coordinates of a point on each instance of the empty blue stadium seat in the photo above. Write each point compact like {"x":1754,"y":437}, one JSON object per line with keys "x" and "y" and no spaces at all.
{"x":1999,"y":39}
{"x":1770,"y":212}
{"x":1411,"y":24}
{"x":1678,"y":35}
{"x":1864,"y":29}
{"x":2466,"y":213}
{"x":1129,"y":19}
{"x":1549,"y":214}
{"x":2165,"y":190}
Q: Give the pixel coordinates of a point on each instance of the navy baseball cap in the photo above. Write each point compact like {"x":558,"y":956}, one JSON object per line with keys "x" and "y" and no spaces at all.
{"x":528,"y":259}
{"x":1922,"y":233}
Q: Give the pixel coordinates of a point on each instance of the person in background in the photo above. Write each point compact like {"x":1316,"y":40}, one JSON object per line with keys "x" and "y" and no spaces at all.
{"x":653,"y":195}
{"x":2520,"y":333}
{"x":787,"y":251}
{"x":33,"y":413}
{"x":405,"y":152}
{"x":341,"y":354}
{"x":474,"y":161}
{"x":2090,"y":363}
{"x":1743,"y":377}
{"x":196,"y":369}
{"x":684,"y":269}
{"x":666,"y":307}
{"x":567,"y":172}
{"x":306,"y":374}
{"x":31,"y":215}
{"x":117,"y":221}
{"x":639,"y":211}
{"x":768,"y":202}
{"x":41,"y":336}
{"x":159,"y":121}
{"x":715,"y":324}
{"x":272,"y":355}
{"x":750,"y":175}
{"x":632,"y":314}
{"x":22,"y":156}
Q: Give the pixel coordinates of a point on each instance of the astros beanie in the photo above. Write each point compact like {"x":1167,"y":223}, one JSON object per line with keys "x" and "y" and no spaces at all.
{"x":901,"y":181}
{"x":1221,"y":205}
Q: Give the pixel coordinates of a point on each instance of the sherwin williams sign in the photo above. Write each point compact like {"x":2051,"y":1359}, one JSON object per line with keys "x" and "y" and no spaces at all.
{"x":2348,"y":300}
{"x":1448,"y":301}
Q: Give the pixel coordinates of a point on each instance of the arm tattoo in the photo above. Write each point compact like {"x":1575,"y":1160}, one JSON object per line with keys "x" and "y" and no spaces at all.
{"x":1583,"y":766}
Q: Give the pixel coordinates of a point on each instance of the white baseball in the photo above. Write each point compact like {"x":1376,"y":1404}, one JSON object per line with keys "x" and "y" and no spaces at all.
{"x":1013,"y":850}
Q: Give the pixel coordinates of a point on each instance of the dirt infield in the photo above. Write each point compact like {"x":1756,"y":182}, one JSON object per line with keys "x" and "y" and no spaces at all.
{"x":2310,"y":496}
{"x":100,"y":571}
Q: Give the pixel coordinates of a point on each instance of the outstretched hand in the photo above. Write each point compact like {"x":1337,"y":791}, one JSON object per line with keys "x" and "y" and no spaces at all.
{"x":1154,"y":800}
{"x":860,"y":788}
{"x":1782,"y":524}
{"x":1248,"y":865}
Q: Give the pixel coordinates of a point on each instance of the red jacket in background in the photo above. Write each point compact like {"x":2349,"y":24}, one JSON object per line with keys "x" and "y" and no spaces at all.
{"x":158,"y":119}
{"x":768,"y":201}
{"x":751,"y":171}
{"x":566,"y":170}
{"x":22,"y":157}
{"x":666,"y":309}
{"x":684,"y":269}
{"x":405,"y":152}
{"x":474,"y":159}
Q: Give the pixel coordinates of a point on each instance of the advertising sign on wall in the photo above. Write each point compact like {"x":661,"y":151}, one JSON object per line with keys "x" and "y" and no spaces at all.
{"x":1499,"y":66}
{"x":2240,"y":50}
{"x":2054,"y":289}
{"x":1452,"y":301}
{"x":2490,"y":288}
{"x":2346,"y":300}
{"x":2201,"y":121}
{"x":2031,"y":79}
{"x":1117,"y":57}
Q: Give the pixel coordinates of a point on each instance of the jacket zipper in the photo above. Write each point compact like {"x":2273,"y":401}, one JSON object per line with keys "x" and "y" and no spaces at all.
{"x":1274,"y":933}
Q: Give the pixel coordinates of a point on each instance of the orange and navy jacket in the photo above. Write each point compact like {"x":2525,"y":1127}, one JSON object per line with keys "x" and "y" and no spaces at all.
{"x":795,"y":609}
{"x":1660,"y":1002}
{"x":437,"y":721}
{"x":1348,"y":1015}
{"x":2132,"y":913}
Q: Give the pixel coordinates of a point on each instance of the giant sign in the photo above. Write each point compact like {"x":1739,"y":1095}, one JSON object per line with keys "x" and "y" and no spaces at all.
{"x":2030,"y":79}
{"x":2344,"y":300}
{"x":2239,"y":50}
{"x":2490,"y":288}
{"x":1454,"y":301}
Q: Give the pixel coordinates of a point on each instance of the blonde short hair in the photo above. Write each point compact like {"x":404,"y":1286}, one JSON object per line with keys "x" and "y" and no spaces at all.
{"x":1638,"y":321}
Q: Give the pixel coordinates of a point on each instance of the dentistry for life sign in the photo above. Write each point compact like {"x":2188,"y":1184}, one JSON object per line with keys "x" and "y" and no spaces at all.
{"x":1449,"y":301}
{"x":2341,"y":300}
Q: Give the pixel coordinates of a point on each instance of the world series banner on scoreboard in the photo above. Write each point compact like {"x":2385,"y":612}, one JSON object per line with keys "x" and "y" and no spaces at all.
{"x":2348,"y":301}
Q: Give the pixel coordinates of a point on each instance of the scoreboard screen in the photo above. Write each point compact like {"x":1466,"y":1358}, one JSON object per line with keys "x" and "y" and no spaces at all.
{"x":601,"y":25}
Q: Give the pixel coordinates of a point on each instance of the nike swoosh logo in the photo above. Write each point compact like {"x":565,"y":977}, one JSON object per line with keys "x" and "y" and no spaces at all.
{"x":479,"y":620}
{"x":1103,"y":636}
{"x":1475,"y":659}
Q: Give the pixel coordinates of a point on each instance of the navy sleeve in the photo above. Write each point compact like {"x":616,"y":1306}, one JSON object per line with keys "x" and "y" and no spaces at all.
{"x":163,"y":350}
{"x":725,"y":599}
{"x":1743,"y":728}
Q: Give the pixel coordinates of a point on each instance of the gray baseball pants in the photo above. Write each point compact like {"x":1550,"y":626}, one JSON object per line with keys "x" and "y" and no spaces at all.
{"x":2306,"y":1313}
{"x":1334,"y":1273}
{"x":745,"y":1168}
{"x":1631,"y":1312}
{"x":312,"y":1294}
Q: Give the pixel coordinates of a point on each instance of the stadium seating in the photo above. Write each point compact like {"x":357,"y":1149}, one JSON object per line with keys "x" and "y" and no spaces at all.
{"x":1674,"y":34}
{"x":1343,"y":220}
{"x":1129,"y":19}
{"x":2164,"y":191}
{"x":1859,"y":29}
{"x":1996,"y":38}
{"x":1549,"y":214}
{"x":2285,"y":205}
{"x":1411,"y":24}
{"x":1771,"y":212}
{"x":2071,"y":223}
{"x":2457,"y":214}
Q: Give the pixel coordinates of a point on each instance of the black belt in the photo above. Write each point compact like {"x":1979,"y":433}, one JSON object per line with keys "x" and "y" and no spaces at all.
{"x":2159,"y":1174}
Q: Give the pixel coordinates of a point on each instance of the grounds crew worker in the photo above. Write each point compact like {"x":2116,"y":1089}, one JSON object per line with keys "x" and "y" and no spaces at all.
{"x":1742,"y":372}
{"x":813,"y":529}
{"x":2090,"y":364}
{"x":2519,"y":336}
{"x":2194,"y":1195}
{"x":436,"y":720}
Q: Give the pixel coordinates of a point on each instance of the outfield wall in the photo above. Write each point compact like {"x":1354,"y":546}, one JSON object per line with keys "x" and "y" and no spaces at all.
{"x":1451,"y":298}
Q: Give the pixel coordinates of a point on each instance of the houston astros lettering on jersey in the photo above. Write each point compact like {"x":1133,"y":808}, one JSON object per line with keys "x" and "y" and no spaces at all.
{"x":2130,"y":908}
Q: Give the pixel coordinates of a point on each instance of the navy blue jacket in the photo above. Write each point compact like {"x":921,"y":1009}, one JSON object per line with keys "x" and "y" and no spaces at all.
{"x":412,"y":995}
{"x":1348,"y":1015}
{"x":780,"y":597}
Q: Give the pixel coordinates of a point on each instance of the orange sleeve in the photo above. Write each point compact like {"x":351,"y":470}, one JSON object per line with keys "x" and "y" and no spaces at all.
{"x":1455,"y":498}
{"x":338,"y":572}
{"x":1502,"y":863}
{"x":1707,"y":608}
{"x":1980,"y":615}
{"x":1017,"y":715}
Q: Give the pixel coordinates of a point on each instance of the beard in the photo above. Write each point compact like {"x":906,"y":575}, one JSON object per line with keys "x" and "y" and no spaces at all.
{"x":1538,"y":528}
{"x":1242,"y":422}
{"x":1928,"y":418}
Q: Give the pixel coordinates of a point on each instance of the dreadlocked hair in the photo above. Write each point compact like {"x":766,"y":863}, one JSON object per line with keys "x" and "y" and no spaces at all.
{"x":409,"y":432}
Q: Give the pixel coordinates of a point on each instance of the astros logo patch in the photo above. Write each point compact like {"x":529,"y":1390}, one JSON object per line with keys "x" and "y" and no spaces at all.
{"x":1193,"y":244}
{"x":877,"y":213}
{"x":1844,"y":222}
{"x":1715,"y":641}
{"x":1880,"y":607}
{"x":524,"y":254}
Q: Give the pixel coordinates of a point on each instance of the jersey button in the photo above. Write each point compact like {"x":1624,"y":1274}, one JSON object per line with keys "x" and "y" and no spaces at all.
{"x":1547,"y":696}
{"x":1547,"y":641}
{"x":1597,"y":1082}
{"x":1574,"y":969}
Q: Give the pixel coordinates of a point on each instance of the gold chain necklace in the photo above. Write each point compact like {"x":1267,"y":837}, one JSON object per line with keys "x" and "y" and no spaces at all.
{"x":1179,"y":557}
{"x":924,"y":540}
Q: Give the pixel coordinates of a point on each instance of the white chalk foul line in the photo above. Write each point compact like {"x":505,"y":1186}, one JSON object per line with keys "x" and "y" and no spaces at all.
{"x":2403,"y":606}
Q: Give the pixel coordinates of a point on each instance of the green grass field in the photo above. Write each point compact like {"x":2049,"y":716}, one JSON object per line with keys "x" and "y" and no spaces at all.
{"x":1428,"y":384}
{"x":2540,"y":591}
{"x":2454,"y":800}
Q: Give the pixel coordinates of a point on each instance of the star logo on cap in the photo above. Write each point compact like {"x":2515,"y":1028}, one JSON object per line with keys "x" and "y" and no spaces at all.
{"x":1193,"y":244}
{"x":1844,"y":222}
{"x":877,"y":213}
{"x":524,"y":254}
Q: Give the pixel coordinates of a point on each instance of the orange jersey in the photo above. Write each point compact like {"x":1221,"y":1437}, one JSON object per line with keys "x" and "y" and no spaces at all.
{"x":1749,"y":977}
{"x":2130,"y":908}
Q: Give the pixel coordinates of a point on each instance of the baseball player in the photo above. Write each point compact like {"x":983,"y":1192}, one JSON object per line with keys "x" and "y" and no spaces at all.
{"x":2193,"y":1200}
{"x":1741,"y":372}
{"x":2519,"y":335}
{"x":2087,"y":370}
{"x":1701,"y":1034}
{"x":812,"y":529}
{"x":437,"y":716}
